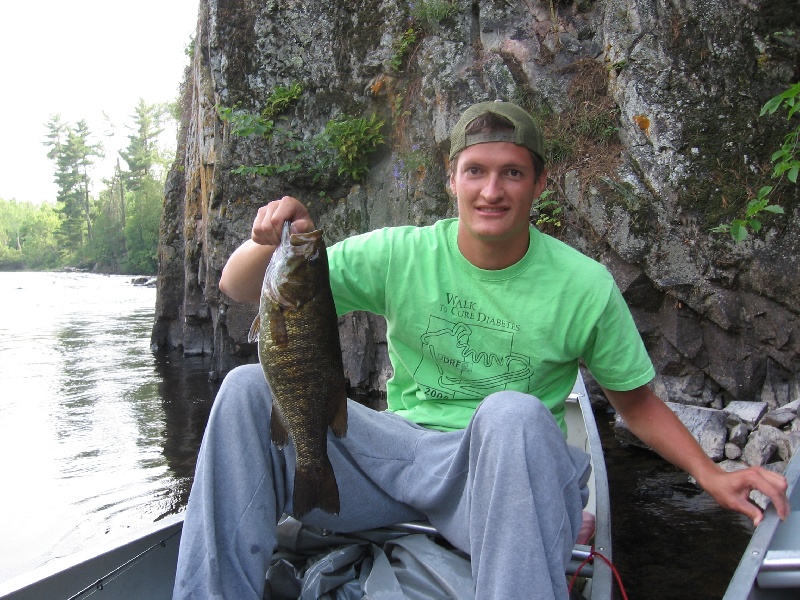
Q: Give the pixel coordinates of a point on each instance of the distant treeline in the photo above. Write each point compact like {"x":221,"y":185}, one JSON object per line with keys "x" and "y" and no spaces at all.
{"x":115,"y":231}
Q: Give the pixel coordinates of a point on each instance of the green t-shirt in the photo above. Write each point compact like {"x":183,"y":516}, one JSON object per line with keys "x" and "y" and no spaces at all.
{"x":457,"y":333}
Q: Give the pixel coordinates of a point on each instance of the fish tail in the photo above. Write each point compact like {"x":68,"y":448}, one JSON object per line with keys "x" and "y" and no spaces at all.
{"x":315,"y":487}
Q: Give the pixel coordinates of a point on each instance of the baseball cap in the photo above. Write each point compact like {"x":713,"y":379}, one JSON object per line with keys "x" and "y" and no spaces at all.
{"x":526,"y":132}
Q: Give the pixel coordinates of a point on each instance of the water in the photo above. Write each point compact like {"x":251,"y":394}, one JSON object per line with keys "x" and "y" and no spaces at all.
{"x":671,"y":542}
{"x":98,"y":437}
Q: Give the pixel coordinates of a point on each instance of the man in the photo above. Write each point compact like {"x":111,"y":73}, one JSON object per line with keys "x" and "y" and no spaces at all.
{"x":487,"y":319}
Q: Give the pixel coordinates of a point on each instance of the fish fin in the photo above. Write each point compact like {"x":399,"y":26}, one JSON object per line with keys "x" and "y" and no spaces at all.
{"x":339,"y":422}
{"x":277,"y":430}
{"x":315,"y":487}
{"x":252,"y":335}
{"x":277,"y":327}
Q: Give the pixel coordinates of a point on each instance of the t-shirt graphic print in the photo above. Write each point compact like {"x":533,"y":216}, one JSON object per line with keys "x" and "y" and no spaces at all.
{"x":461,"y":359}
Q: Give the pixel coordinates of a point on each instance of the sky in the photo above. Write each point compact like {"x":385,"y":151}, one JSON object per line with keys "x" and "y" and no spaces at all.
{"x":81,"y":59}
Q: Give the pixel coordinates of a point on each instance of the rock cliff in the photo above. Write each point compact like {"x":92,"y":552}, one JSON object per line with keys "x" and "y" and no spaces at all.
{"x":651,"y":109}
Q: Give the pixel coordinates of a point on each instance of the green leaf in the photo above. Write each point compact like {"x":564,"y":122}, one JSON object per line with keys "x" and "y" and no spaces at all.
{"x":755,"y":206}
{"x":738,"y":233}
{"x":771,"y":106}
{"x":765,"y":191}
{"x":774,"y":208}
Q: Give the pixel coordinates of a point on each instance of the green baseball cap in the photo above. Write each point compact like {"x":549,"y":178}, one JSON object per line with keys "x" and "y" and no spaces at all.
{"x":526,"y":132}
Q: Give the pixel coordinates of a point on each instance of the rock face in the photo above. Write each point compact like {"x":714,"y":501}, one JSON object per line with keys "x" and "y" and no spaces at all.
{"x":651,"y":112}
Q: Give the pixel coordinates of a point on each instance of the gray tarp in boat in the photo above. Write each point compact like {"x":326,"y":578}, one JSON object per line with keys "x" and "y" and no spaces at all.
{"x":379,"y":565}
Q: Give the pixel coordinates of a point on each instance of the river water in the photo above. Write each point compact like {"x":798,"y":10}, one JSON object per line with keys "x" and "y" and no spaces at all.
{"x":98,"y":437}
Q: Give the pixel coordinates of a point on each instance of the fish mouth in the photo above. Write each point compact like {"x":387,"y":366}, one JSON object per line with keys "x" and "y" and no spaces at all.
{"x":292,"y":276}
{"x":298,"y":239}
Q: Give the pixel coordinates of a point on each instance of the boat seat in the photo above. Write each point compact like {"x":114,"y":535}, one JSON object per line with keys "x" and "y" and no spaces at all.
{"x":580,"y":552}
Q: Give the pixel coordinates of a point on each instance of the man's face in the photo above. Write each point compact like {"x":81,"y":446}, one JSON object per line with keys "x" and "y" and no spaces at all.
{"x":495,"y":187}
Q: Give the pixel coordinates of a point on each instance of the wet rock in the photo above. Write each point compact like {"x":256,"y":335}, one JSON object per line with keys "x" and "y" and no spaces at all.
{"x":793,"y":437}
{"x":732,"y":451}
{"x":145,"y":281}
{"x":747,"y":412}
{"x":738,"y":435}
{"x":779,"y":417}
{"x":707,"y":425}
{"x":761,"y":446}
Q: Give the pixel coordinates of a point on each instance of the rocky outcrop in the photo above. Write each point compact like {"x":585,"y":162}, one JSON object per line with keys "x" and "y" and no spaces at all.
{"x":651,"y":110}
{"x":741,"y":435}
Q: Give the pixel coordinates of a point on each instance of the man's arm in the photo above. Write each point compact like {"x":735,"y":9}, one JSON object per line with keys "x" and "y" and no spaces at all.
{"x":657,"y":426}
{"x":243,"y":274}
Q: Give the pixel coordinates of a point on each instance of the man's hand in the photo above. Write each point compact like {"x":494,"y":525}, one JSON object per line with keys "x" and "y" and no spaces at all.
{"x":244,"y":272}
{"x":268,"y":223}
{"x":732,"y":491}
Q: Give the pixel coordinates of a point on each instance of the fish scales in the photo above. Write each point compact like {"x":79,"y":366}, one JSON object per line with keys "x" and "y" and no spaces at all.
{"x":300,"y":352}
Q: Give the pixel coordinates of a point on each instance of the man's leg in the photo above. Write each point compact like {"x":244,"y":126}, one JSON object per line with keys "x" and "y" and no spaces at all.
{"x":509,"y":491}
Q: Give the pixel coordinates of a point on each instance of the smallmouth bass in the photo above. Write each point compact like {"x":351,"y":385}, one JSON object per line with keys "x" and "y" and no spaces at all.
{"x":300,"y":353}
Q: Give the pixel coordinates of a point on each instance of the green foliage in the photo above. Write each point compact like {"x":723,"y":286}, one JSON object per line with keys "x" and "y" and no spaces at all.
{"x":28,"y":236}
{"x":72,"y":154}
{"x":141,"y":228}
{"x":281,"y":99}
{"x":738,"y":228}
{"x":244,"y":124}
{"x":144,"y":158}
{"x":548,"y":211}
{"x":786,"y":159}
{"x":786,"y":163}
{"x":354,"y":139}
{"x":425,"y":16}
{"x":402,"y":48}
{"x":118,"y":230}
{"x":344,"y":146}
{"x":429,"y":13}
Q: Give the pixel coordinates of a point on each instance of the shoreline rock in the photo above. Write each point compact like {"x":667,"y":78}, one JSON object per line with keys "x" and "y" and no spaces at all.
{"x":738,"y":436}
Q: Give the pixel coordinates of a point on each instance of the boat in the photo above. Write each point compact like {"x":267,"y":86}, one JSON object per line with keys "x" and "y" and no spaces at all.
{"x":142,"y":566}
{"x":770,"y":566}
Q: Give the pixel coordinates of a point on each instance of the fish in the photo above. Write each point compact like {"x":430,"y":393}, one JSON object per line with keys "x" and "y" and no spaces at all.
{"x":300,"y":353}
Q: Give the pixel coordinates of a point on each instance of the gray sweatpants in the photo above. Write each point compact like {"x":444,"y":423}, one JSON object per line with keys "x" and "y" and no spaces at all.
{"x":507,"y":490}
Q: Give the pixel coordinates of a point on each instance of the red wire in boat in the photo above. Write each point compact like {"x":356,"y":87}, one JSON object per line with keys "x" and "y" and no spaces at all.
{"x":591,"y":556}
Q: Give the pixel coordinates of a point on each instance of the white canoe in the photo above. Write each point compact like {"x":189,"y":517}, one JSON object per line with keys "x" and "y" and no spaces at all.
{"x":142,"y":567}
{"x":770,"y":566}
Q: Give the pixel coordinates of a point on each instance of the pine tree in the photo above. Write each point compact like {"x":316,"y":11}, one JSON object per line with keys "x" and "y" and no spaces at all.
{"x":142,"y":154}
{"x":144,"y":187}
{"x":72,"y":153}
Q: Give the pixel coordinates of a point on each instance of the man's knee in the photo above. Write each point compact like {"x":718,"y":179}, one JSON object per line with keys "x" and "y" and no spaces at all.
{"x":507,"y":408}
{"x":243,"y":389}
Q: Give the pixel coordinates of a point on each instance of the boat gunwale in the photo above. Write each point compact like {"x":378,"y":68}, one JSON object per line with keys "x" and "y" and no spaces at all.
{"x":744,"y":578}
